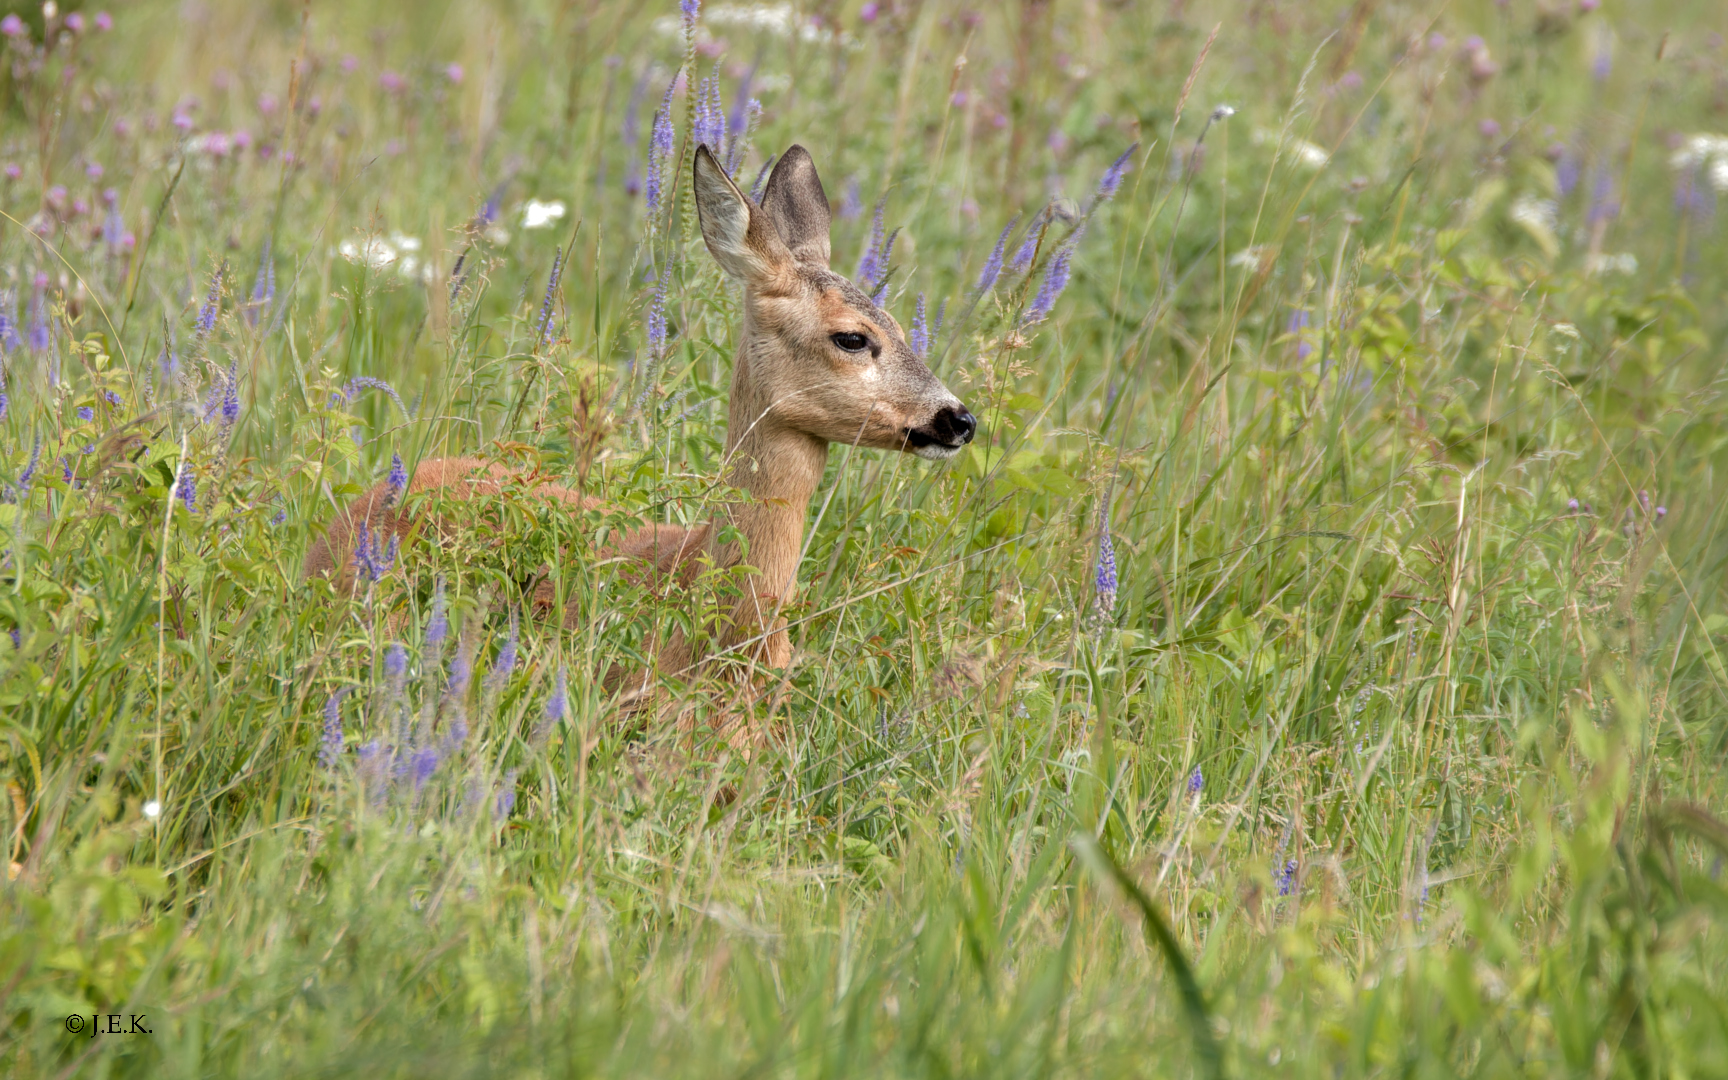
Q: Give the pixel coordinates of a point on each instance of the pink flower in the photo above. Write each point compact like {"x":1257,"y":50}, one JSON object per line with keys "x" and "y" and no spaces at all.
{"x":1587,"y":6}
{"x":1436,"y":41}
{"x":182,"y":120}
{"x":75,"y":22}
{"x":349,"y":63}
{"x":128,"y":241}
{"x":958,"y":100}
{"x":392,"y":82}
{"x":12,"y":26}
{"x":122,"y":128}
{"x":454,"y":72}
{"x":13,"y":172}
{"x":1350,"y":80}
{"x":93,"y":170}
{"x":868,"y":12}
{"x":80,"y":207}
{"x":242,"y":139}
{"x":1489,"y":128}
{"x":266,"y":103}
{"x":104,"y":21}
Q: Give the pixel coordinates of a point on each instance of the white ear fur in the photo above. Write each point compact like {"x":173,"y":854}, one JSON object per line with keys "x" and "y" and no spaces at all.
{"x":744,"y":252}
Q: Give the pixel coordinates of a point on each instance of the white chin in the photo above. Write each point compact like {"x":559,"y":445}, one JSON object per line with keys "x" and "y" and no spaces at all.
{"x":936,"y":453}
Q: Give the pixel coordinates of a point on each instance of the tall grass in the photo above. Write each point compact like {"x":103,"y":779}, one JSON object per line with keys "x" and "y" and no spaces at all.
{"x":1389,"y":375}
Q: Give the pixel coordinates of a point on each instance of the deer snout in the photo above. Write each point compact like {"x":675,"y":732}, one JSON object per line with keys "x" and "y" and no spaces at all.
{"x":954,"y":425}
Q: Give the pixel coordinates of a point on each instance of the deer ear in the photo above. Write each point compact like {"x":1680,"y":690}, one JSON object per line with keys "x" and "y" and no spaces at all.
{"x":798,"y":207}
{"x":738,"y":235}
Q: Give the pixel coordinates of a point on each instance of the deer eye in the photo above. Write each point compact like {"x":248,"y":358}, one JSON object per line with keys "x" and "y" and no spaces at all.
{"x":851,"y":342}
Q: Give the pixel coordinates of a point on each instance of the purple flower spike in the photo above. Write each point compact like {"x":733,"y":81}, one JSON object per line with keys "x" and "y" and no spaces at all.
{"x":1112,"y":178}
{"x":398,"y":480}
{"x":506,"y":798}
{"x":1104,"y":582}
{"x":506,"y":661}
{"x":657,"y":318}
{"x":367,"y":382}
{"x":874,"y":260}
{"x":1055,"y":280}
{"x":1029,"y":246}
{"x":187,"y":490}
{"x":543,"y":329}
{"x":212,"y":304}
{"x":438,"y":626}
{"x":919,"y":338}
{"x":331,"y":752}
{"x":660,"y":150}
{"x":993,"y":265}
{"x":1195,"y":781}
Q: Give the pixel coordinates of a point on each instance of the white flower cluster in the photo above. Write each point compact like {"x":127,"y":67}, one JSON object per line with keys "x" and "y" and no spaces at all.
{"x":398,"y":250}
{"x":1707,"y":151}
{"x":1537,"y":212}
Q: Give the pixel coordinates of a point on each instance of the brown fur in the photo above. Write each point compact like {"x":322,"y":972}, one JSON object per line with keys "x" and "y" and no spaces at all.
{"x":795,"y":390}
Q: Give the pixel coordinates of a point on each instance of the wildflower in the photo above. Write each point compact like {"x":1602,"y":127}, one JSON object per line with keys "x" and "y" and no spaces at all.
{"x":367,"y":382}
{"x":710,"y":117}
{"x":1572,"y":505}
{"x":397,"y":482}
{"x":1112,"y":178}
{"x":5,"y":402}
{"x":506,"y":661}
{"x":281,"y":516}
{"x":919,"y":338}
{"x":85,"y":412}
{"x":993,"y":265}
{"x":559,"y":703}
{"x":423,"y":764}
{"x":1661,"y":511}
{"x":1602,"y":67}
{"x":736,"y":143}
{"x":212,"y":304}
{"x":852,"y":202}
{"x":660,"y":148}
{"x":12,"y":26}
{"x":395,"y":663}
{"x":461,"y":669}
{"x":1195,"y":780}
{"x":875,"y":260}
{"x":1488,"y":128}
{"x":453,"y":72}
{"x":1029,"y":247}
{"x":40,"y":335}
{"x":1055,"y":280}
{"x":505,"y":800}
{"x":761,"y":179}
{"x":231,"y":397}
{"x":187,"y":489}
{"x":1286,"y":878}
{"x":392,"y":82}
{"x":152,"y":808}
{"x":1297,"y":322}
{"x":331,"y":752}
{"x":371,"y":561}
{"x":74,"y":22}
{"x":1221,"y":114}
{"x":104,"y":21}
{"x":540,"y":215}
{"x":657,"y":318}
{"x":1603,"y":205}
{"x":438,"y":625}
{"x":543,"y":328}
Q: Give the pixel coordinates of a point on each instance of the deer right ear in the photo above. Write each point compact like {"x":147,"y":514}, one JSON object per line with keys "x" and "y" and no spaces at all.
{"x":739,"y":237}
{"x":798,"y":206}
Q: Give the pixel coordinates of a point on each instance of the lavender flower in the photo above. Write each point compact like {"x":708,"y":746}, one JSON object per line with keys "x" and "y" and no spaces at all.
{"x":397,"y":481}
{"x":852,"y":202}
{"x":544,"y":327}
{"x":281,"y":516}
{"x":331,"y":752}
{"x":5,"y":402}
{"x":85,"y":412}
{"x":438,"y":626}
{"x":919,"y":338}
{"x":1286,"y":878}
{"x":187,"y":490}
{"x":367,"y":382}
{"x":1112,"y":178}
{"x":736,"y":143}
{"x":559,"y":703}
{"x":1104,"y":583}
{"x":39,"y":332}
{"x":874,"y":261}
{"x":657,"y":318}
{"x":691,"y":10}
{"x":660,"y":140}
{"x":505,"y":800}
{"x":212,"y":304}
{"x":1195,"y":781}
{"x":1297,"y":322}
{"x":1055,"y":280}
{"x":231,"y":397}
{"x":395,"y":665}
{"x":710,"y":115}
{"x":1029,"y":246}
{"x":461,"y":670}
{"x":506,"y":661}
{"x":9,"y":321}
{"x":761,"y":179}
{"x":993,"y":265}
{"x":422,"y":765}
{"x":1567,"y":170}
{"x":371,"y":559}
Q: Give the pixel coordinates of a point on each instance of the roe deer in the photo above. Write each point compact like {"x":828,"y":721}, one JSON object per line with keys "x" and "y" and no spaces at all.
{"x":817,"y":362}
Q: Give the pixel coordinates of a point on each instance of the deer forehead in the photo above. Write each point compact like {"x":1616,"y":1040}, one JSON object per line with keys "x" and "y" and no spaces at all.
{"x":845,"y":307}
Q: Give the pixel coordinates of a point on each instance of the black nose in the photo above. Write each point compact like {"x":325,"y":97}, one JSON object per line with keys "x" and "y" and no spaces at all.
{"x":954,"y":425}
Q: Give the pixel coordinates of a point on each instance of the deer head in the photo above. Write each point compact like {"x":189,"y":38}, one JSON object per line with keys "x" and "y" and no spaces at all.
{"x":817,"y":357}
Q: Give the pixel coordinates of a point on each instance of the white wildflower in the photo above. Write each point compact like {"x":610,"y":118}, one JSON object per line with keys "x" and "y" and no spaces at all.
{"x":1532,"y":211}
{"x":1622,"y":263}
{"x":152,"y":809}
{"x":541,"y":215}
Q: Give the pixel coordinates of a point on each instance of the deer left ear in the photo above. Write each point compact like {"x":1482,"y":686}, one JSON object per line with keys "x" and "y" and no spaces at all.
{"x":738,"y":235}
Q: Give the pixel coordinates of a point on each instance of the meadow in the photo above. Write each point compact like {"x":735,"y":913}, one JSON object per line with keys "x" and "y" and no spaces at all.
{"x":1315,"y":666}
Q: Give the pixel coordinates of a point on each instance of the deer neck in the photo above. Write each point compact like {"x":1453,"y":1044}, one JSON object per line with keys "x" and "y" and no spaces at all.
{"x":777,"y":470}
